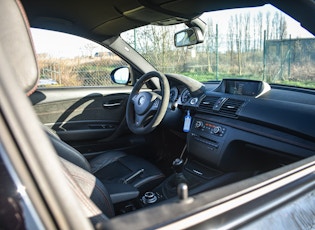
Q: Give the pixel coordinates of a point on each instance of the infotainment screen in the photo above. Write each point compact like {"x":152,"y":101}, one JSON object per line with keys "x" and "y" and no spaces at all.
{"x":239,"y":87}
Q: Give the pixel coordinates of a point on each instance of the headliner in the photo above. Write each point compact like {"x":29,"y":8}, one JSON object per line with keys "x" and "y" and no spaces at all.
{"x":102,"y":19}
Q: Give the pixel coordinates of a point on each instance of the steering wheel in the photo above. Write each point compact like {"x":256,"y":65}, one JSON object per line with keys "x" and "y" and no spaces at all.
{"x":145,"y":110}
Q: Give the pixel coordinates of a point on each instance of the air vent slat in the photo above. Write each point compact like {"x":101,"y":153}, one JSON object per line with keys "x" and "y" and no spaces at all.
{"x":228,"y":108}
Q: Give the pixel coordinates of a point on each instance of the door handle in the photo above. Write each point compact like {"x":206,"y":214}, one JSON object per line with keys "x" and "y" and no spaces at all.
{"x":111,"y":105}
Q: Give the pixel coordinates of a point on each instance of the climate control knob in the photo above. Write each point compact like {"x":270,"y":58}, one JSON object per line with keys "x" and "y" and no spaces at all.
{"x":217,"y":130}
{"x":199,"y":124}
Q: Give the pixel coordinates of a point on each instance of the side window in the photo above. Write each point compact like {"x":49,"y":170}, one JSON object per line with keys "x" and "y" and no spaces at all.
{"x":65,"y":60}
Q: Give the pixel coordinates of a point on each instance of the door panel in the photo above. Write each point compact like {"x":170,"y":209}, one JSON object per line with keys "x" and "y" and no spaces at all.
{"x":89,"y":119}
{"x":77,"y":98}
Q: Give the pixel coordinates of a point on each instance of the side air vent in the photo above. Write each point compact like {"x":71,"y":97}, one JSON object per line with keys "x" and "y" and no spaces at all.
{"x":230,"y":107}
{"x":220,"y":106}
{"x":207,"y":104}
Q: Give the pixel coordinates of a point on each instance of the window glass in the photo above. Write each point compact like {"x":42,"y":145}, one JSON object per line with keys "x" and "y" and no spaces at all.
{"x":260,"y":43}
{"x":65,"y":60}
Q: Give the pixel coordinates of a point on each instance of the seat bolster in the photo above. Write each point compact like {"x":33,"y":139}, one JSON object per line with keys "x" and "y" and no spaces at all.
{"x":67,"y":152}
{"x":116,"y":167}
{"x":105,"y":159}
{"x":91,"y":187}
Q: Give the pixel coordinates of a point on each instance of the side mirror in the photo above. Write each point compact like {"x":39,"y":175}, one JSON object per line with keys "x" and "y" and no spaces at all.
{"x":188,"y":37}
{"x":120,"y":75}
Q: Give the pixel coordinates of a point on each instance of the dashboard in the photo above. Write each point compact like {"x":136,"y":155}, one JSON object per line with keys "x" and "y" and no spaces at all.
{"x":251,"y":88}
{"x":232,"y":116}
{"x":182,"y":96}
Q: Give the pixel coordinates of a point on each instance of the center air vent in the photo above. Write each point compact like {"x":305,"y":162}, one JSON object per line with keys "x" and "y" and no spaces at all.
{"x":230,"y":107}
{"x":220,"y":106}
{"x":207,"y":104}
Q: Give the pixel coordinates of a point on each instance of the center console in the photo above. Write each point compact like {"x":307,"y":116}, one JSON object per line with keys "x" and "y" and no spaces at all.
{"x":197,"y":176}
{"x":206,"y":140}
{"x":200,"y":170}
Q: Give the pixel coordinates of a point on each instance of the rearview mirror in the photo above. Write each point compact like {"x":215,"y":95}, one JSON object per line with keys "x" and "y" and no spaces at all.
{"x":120,"y":75}
{"x":188,"y":37}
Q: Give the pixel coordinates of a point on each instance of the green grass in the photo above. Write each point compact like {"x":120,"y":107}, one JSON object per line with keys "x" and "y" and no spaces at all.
{"x":303,"y":84}
{"x":203,"y":77}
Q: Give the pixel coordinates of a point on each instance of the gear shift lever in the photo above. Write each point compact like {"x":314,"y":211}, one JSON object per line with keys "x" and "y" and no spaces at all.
{"x":178,"y":165}
{"x":171,"y":185}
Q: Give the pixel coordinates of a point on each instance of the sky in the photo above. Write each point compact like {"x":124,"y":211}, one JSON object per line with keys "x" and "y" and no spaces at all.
{"x":222,"y":17}
{"x":57,"y":45}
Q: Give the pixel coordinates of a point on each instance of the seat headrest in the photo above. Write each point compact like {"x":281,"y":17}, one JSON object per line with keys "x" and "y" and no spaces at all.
{"x":17,"y":44}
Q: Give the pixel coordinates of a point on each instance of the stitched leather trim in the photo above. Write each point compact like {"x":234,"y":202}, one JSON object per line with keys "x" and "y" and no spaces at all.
{"x":100,"y":190}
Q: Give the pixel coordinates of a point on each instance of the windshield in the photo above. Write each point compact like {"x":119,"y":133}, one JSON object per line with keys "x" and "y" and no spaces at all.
{"x":260,"y":43}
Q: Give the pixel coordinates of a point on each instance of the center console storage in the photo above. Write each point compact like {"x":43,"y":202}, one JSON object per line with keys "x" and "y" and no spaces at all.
{"x":195,"y":175}
{"x":124,"y":197}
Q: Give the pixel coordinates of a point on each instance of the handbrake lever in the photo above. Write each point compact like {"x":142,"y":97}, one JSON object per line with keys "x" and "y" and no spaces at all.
{"x":133,"y":176}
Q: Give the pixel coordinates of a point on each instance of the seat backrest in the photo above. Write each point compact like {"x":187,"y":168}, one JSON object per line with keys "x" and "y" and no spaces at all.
{"x":66,"y":152}
{"x":17,"y":44}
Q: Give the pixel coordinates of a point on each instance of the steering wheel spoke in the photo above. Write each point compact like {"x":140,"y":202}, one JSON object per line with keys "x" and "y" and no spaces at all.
{"x":140,"y":120}
{"x":155,"y":104}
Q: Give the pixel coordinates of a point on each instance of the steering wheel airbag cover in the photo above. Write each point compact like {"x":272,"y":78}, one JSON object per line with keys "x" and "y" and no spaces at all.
{"x":142,"y":102}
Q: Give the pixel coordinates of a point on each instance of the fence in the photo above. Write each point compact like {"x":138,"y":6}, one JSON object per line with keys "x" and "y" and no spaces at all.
{"x":279,"y":61}
{"x":79,"y":71}
{"x":289,"y":60}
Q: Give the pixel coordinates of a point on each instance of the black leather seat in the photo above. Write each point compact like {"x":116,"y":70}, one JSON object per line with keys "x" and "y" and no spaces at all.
{"x":82,"y":176}
{"x":112,"y":166}
{"x":91,"y":187}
